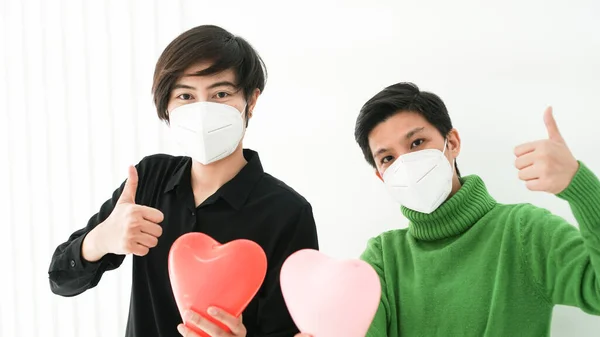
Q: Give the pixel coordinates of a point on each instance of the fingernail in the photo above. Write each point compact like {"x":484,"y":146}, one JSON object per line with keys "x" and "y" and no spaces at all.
{"x":181,"y":329}
{"x":213,"y":311}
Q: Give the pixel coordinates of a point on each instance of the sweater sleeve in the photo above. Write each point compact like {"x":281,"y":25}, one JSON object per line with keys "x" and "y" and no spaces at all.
{"x":374,"y":256}
{"x":564,"y":262}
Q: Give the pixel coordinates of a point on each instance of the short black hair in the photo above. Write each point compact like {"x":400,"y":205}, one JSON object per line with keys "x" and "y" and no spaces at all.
{"x":398,"y":98}
{"x":207,"y":43}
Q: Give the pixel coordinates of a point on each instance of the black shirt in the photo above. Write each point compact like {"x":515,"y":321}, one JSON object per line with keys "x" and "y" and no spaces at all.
{"x":253,"y":205}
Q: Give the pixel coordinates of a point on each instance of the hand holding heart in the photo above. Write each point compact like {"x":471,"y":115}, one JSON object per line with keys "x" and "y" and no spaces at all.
{"x":234,"y":324}
{"x":546,"y":165}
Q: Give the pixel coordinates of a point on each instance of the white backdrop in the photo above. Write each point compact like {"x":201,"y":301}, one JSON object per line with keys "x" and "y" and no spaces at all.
{"x":76,"y":109}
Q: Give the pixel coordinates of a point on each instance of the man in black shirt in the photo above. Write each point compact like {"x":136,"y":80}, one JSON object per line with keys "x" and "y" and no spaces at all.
{"x":206,"y":85}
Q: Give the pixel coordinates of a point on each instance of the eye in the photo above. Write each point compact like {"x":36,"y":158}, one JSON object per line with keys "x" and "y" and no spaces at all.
{"x":386,"y":159}
{"x":185,"y":97}
{"x":416,"y":143}
{"x":222,"y":94}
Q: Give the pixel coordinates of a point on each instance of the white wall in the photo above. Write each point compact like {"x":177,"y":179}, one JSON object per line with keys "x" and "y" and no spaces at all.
{"x":75,"y":108}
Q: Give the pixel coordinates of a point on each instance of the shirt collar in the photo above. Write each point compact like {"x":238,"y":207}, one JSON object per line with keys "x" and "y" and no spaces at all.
{"x":235,"y":191}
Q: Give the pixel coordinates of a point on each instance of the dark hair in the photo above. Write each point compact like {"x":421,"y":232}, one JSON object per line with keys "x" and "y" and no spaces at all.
{"x":207,"y":43}
{"x":397,"y":98}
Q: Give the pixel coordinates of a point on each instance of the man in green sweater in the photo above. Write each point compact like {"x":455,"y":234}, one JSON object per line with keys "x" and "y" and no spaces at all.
{"x":467,"y":265}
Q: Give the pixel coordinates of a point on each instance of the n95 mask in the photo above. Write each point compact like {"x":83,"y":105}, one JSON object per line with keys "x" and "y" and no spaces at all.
{"x":420,"y":180}
{"x":206,"y":131}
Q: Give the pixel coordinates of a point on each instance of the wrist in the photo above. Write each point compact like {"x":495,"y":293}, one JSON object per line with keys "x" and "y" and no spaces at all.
{"x":91,"y":248}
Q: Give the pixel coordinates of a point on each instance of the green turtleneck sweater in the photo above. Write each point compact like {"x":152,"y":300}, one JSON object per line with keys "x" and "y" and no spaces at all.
{"x":475,"y":267}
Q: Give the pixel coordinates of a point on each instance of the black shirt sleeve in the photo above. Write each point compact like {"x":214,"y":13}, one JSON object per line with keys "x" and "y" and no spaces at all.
{"x":69,"y":273}
{"x":273,"y":317}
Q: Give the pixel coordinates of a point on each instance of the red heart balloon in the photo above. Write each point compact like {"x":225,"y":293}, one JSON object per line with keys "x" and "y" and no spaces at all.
{"x":205,"y":273}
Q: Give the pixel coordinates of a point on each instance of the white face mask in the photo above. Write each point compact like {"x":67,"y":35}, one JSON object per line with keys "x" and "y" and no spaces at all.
{"x":207,"y":131}
{"x":420,"y":180}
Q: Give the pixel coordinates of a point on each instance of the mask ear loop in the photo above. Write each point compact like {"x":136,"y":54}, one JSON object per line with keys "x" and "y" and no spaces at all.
{"x":168,"y":119}
{"x":444,"y":153}
{"x":445,"y":146}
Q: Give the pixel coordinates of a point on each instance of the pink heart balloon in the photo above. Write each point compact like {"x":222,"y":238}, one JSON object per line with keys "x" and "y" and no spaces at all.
{"x":327,"y":297}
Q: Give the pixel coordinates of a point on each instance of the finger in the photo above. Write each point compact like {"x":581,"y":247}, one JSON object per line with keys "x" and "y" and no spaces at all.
{"x":233,"y":323}
{"x":151,"y":228}
{"x":526,"y":148}
{"x":535,"y":185}
{"x":203,"y":324}
{"x":146,"y":240}
{"x":529,"y":173}
{"x":525,"y":160}
{"x":128,"y":194}
{"x":551,"y":126}
{"x":152,"y":214}
{"x":185,"y":331}
{"x":140,"y":250}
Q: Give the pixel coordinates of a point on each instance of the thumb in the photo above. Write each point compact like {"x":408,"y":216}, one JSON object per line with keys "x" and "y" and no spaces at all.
{"x":551,"y":126}
{"x":128,"y":194}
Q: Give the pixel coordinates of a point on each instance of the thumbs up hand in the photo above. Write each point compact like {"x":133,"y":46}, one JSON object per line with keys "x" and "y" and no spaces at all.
{"x":130,"y":228}
{"x":546,"y":165}
{"x":130,"y":188}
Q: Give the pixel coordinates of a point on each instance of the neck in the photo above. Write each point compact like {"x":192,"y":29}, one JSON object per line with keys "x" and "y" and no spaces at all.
{"x":207,"y":179}
{"x":456,"y":184}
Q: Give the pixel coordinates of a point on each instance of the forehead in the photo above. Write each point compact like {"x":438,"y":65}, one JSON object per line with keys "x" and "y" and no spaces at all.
{"x":190,"y":75}
{"x":395,"y":129}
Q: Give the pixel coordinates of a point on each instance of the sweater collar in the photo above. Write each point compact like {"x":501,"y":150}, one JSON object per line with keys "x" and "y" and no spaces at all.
{"x":455,"y":216}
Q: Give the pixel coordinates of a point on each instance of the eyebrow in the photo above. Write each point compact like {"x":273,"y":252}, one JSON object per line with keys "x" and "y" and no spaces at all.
{"x":183,"y":86}
{"x":408,"y":135}
{"x":413,"y":132}
{"x":212,"y":86}
{"x":222,"y":84}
